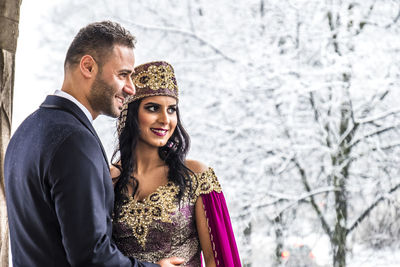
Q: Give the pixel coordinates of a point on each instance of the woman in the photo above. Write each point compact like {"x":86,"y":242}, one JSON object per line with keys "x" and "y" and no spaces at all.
{"x":165,"y":205}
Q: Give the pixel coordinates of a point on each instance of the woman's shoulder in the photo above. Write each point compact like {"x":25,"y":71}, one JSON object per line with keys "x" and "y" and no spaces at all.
{"x":196,"y":166}
{"x":204,"y":180}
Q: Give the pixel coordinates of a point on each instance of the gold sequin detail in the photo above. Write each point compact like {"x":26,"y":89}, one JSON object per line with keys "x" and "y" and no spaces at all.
{"x":160,"y":205}
{"x":156,"y":77}
{"x":205,"y":183}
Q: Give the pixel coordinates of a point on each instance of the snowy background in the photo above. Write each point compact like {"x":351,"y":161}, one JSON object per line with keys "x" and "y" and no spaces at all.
{"x":294,"y":103}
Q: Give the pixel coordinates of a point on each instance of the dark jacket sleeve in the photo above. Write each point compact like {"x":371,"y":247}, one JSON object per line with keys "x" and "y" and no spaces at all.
{"x":78,"y":191}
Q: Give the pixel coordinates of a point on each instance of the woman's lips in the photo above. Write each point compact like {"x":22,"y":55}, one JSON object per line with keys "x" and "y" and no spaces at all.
{"x":159,"y":131}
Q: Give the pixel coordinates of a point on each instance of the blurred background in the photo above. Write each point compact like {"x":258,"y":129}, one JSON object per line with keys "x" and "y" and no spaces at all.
{"x":294,"y":103}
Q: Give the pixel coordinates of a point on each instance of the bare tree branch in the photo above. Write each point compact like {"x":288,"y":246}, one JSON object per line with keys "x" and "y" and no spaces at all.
{"x":368,"y":105}
{"x":395,"y":20}
{"x":182,"y":32}
{"x":378,"y":116}
{"x":324,"y":223}
{"x":349,"y":131}
{"x":190,"y":15}
{"x":334,"y":32}
{"x":380,"y":131}
{"x":317,"y":118}
{"x":363,"y":23}
{"x":370,"y":208}
{"x":302,"y":173}
{"x":374,"y":149}
{"x":295,"y":200}
{"x":284,"y":165}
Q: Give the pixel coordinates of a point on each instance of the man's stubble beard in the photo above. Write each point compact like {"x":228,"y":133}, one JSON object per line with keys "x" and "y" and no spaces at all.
{"x":101,"y":97}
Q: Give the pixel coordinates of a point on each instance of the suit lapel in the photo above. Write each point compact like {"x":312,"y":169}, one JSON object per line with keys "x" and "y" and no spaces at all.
{"x":57,"y":102}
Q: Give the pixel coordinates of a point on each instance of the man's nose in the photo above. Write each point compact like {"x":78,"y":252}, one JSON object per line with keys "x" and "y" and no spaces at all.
{"x":129,"y":88}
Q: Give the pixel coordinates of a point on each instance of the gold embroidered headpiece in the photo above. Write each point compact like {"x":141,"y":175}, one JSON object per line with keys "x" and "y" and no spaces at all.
{"x":150,"y":79}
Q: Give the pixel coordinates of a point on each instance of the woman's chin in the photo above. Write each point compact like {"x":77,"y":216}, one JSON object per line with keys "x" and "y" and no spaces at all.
{"x":159,"y":143}
{"x":162,"y":144}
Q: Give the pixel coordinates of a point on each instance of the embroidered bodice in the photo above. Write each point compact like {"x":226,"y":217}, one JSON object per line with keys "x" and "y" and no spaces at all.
{"x":159,"y":227}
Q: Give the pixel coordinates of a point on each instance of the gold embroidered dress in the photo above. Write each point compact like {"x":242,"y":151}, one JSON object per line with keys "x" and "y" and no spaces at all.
{"x":159,"y":227}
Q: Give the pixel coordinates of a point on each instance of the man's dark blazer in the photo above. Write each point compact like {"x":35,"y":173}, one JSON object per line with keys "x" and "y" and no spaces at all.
{"x":59,"y":191}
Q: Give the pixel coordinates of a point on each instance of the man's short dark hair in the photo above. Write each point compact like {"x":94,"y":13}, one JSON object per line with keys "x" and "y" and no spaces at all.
{"x":98,"y":39}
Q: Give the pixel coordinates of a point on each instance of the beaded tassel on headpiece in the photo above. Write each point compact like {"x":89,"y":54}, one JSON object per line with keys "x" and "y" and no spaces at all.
{"x":150,"y":79}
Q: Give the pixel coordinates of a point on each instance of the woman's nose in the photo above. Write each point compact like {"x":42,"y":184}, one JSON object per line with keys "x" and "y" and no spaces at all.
{"x":164,"y":117}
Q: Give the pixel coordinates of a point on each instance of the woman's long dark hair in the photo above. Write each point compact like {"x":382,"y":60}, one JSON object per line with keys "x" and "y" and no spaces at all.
{"x":173,"y":154}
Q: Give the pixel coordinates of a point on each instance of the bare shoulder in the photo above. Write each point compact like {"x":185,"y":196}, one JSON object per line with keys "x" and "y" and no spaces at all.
{"x":196,"y":166}
{"x":114,"y":171}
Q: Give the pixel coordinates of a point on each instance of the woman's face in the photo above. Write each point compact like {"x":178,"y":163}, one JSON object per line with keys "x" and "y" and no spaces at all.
{"x":157,"y":120}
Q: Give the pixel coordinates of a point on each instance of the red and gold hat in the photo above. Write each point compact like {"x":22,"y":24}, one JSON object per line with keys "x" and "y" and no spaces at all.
{"x":150,"y":79}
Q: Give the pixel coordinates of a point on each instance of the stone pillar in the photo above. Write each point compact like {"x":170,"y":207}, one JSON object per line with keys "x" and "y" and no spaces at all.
{"x":9,"y":20}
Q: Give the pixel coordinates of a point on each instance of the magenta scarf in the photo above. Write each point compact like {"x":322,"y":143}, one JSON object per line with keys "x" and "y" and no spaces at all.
{"x":220,"y":228}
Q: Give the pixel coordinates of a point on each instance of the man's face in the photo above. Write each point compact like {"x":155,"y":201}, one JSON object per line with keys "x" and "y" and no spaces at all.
{"x":113,"y":82}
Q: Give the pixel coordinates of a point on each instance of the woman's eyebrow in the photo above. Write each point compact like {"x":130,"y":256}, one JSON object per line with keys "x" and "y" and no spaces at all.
{"x":151,"y":103}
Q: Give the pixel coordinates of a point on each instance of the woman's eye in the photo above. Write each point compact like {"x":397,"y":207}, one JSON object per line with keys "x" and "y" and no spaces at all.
{"x":171,"y":110}
{"x":151,"y":108}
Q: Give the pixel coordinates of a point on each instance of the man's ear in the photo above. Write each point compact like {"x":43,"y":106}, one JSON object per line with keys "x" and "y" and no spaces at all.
{"x":88,"y":66}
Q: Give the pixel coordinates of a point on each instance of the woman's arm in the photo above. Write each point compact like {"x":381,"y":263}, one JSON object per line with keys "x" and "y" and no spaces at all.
{"x":201,"y":219}
{"x":212,"y":220}
{"x":114,"y":173}
{"x":204,"y":235}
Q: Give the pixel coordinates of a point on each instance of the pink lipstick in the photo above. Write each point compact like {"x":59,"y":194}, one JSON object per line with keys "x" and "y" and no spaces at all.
{"x":159,"y":131}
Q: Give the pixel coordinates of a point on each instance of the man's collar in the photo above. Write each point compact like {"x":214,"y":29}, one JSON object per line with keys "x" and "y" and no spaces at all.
{"x":75,"y":101}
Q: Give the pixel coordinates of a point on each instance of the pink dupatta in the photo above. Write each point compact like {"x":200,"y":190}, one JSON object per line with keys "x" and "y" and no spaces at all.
{"x":220,"y":228}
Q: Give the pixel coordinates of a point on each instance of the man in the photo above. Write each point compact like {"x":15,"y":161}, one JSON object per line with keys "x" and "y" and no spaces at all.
{"x":58,"y":187}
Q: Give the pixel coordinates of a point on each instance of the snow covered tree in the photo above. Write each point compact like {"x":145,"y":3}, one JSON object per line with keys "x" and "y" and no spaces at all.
{"x":339,"y":118}
{"x":292,"y":102}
